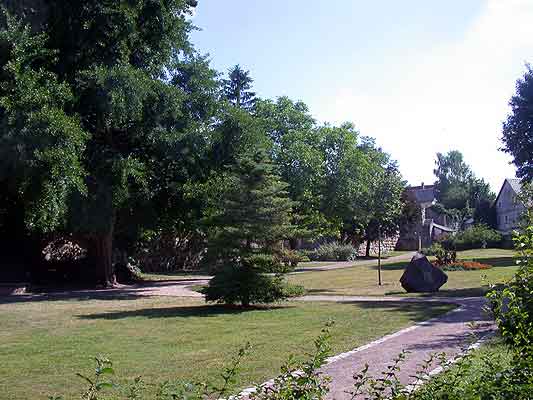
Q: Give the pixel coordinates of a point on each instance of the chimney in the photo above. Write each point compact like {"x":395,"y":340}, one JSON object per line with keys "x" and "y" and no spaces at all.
{"x":423,"y":186}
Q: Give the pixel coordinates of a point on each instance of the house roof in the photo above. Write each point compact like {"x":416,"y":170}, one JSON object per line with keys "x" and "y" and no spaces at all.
{"x":514,"y":183}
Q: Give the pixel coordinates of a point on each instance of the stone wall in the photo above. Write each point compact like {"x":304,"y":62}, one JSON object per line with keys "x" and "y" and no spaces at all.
{"x":388,"y":244}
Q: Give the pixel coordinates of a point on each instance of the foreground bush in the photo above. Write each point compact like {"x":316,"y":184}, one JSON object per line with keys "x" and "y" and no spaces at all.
{"x":485,"y":374}
{"x":334,"y":251}
{"x":513,"y":304}
{"x":475,"y":237}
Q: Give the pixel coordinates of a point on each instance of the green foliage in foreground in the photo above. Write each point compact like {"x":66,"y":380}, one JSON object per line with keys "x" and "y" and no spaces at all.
{"x":488,"y":373}
{"x":513,"y":304}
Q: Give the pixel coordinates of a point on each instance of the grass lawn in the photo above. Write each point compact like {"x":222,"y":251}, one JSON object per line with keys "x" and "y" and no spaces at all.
{"x":362,"y":280}
{"x":44,"y":343}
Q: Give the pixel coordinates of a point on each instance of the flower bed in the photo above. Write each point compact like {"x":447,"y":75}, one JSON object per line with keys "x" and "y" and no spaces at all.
{"x":463,"y":266}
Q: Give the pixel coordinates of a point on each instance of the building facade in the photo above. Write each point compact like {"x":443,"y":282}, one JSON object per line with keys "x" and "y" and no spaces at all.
{"x":430,"y":227}
{"x":509,"y":209}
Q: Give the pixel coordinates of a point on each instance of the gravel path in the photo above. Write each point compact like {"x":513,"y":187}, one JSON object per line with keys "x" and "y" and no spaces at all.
{"x":175,"y":288}
{"x":356,"y":263}
{"x":450,"y":333}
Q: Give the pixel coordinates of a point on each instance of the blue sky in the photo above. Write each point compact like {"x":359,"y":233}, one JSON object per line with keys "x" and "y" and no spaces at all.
{"x":419,"y":76}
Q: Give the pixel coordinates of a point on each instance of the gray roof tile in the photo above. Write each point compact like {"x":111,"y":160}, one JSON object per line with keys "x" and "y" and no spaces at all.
{"x":516,"y":184}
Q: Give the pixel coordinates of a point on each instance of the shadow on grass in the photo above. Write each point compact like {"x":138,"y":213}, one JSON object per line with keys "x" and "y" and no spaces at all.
{"x":80,"y":293}
{"x":51,"y":297}
{"x":397,"y":266}
{"x":383,"y":256}
{"x":181,"y":312}
{"x":320,"y":291}
{"x":465,"y":292}
{"x":420,"y":311}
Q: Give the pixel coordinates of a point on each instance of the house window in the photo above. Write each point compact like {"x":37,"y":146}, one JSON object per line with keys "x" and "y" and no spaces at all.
{"x":506,"y":219}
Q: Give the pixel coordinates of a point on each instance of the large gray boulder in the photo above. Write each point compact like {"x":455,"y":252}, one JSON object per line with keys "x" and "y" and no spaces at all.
{"x":421,"y":276}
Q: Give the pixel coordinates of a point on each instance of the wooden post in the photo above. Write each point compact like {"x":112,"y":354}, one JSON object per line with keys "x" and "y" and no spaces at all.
{"x":379,"y":255}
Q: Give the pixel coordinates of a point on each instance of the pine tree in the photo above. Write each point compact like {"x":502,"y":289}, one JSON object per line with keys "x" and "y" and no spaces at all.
{"x":246,"y":231}
{"x":237,"y":88}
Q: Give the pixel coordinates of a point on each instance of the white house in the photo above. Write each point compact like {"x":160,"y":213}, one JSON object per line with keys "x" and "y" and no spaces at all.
{"x":509,"y":209}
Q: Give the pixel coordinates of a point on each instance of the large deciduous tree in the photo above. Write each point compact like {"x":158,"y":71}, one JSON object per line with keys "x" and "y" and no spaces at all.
{"x":348,"y":173}
{"x":95,"y":133}
{"x":297,"y":151}
{"x":384,"y":201}
{"x":459,"y":191}
{"x":518,"y":129}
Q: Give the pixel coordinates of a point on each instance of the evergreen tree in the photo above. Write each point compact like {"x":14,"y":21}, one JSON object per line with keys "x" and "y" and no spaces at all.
{"x":246,"y":230}
{"x":237,"y":88}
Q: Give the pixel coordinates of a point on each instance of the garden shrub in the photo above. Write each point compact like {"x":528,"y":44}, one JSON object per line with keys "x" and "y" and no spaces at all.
{"x":256,"y":279}
{"x":433,"y":249}
{"x":246,"y":286}
{"x":291,"y":258}
{"x":128,"y":273}
{"x":445,"y":257}
{"x":334,"y":251}
{"x":476,"y":237}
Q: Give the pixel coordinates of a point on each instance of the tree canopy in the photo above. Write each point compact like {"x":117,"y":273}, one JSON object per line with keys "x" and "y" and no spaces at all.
{"x":459,"y":191}
{"x":88,"y":104}
{"x":518,"y":129}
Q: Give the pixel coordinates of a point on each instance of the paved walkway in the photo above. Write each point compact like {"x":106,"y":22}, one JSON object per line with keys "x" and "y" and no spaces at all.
{"x":450,"y":333}
{"x":175,"y":288}
{"x":349,"y":264}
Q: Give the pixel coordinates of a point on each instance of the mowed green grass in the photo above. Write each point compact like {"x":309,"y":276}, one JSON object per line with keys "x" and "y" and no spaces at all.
{"x":362,"y":280}
{"x":44,"y":343}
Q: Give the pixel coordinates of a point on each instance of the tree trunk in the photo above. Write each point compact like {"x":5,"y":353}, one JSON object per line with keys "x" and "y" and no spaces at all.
{"x":101,"y":256}
{"x":368,"y":243}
